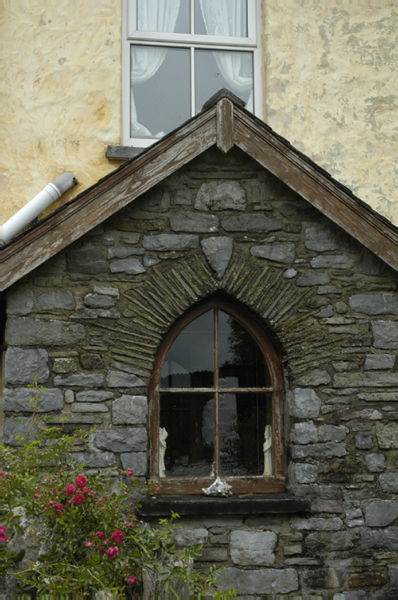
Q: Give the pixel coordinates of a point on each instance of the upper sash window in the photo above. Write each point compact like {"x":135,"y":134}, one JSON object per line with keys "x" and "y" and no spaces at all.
{"x":177,"y":54}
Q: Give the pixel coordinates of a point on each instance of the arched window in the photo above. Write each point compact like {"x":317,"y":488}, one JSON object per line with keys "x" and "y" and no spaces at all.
{"x":216,"y":399}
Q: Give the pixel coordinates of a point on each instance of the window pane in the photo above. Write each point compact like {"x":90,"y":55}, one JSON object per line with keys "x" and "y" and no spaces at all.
{"x":243,"y":418}
{"x":190,"y":360}
{"x":241,"y":361}
{"x":189,"y":422}
{"x":221,"y":17}
{"x":216,"y":69}
{"x":160,"y":82}
{"x":164,"y":16}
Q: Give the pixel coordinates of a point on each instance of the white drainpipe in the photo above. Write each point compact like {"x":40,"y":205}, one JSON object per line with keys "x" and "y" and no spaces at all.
{"x":32,"y":209}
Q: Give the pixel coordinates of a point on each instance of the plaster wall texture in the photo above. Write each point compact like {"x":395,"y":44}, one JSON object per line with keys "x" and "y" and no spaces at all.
{"x":331,"y":88}
{"x":60,"y":70}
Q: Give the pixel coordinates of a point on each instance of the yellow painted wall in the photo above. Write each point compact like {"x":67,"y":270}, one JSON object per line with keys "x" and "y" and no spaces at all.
{"x":331,"y":89}
{"x":60,"y":70}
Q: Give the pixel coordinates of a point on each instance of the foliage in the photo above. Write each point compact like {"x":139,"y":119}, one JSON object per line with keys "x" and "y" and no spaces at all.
{"x":92,"y":539}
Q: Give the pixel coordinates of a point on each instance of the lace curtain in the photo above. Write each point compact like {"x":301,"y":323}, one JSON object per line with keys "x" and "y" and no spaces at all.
{"x":221,"y":17}
{"x":153,"y":15}
{"x":227,"y":18}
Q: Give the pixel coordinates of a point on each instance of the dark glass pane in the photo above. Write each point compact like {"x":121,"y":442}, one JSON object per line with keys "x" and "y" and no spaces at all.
{"x":243,"y":418}
{"x":241,"y":361}
{"x":161,"y":90}
{"x":189,"y":422}
{"x":216,"y":69}
{"x":190,"y":360}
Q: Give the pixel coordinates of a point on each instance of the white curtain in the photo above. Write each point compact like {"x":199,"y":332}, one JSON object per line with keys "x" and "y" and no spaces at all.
{"x":153,"y":15}
{"x":227,"y":18}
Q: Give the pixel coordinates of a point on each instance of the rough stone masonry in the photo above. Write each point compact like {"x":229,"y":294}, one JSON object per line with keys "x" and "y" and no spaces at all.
{"x":88,"y":323}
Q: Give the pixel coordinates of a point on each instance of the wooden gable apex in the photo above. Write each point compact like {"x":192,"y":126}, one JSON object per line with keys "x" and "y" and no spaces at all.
{"x":224,"y":123}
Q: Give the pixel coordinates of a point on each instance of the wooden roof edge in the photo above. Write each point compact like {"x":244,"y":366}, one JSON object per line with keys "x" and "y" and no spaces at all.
{"x":226,"y":108}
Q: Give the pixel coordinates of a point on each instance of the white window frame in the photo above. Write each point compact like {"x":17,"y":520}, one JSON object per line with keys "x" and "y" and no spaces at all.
{"x":130,"y":35}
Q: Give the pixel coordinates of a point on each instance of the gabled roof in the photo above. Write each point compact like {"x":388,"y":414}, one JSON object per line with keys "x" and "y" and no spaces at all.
{"x":225,"y":123}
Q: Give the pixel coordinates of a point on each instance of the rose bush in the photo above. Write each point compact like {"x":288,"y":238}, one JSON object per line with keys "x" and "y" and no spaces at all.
{"x":93,"y":539}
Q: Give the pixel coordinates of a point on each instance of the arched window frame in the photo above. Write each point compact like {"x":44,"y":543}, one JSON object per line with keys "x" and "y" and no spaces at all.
{"x":249,"y":484}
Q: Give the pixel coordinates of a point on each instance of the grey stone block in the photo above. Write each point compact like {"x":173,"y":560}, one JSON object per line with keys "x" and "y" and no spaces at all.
{"x":251,"y":222}
{"x":136,"y":461}
{"x":117,"y":379}
{"x":54,"y":300}
{"x":131,"y":266}
{"x":34,"y":332}
{"x":12,"y":430}
{"x":64,"y":365}
{"x":319,"y":579}
{"x":88,"y":407}
{"x":380,"y":514}
{"x":191,"y":537}
{"x":259,"y":581}
{"x":333,"y":261}
{"x":95,"y":460}
{"x":69,"y":396}
{"x":311,"y":279}
{"x":22,"y":365}
{"x":19,"y":302}
{"x":130,"y":410}
{"x":131,"y":439}
{"x":380,"y":538}
{"x":99,"y":301}
{"x":253,"y":548}
{"x":374,"y":304}
{"x":321,"y":237}
{"x":92,"y":396}
{"x":290,"y":273}
{"x":80,"y":380}
{"x":220,"y":195}
{"x":354,"y":517}
{"x":385,"y":334}
{"x":363,"y":441}
{"x":375,"y":463}
{"x":17,"y":400}
{"x":389,"y":483}
{"x":214,"y":555}
{"x":123,"y":251}
{"x":323,"y":542}
{"x":167,"y":241}
{"x":218,"y":252}
{"x":194,"y":222}
{"x":106,"y":290}
{"x":379,"y":361}
{"x":366,"y":414}
{"x":304,"y":403}
{"x":316,"y":524}
{"x":332,"y":433}
{"x":387,"y":435}
{"x":319,"y":451}
{"x":313,"y":378}
{"x":150,"y":261}
{"x":393,"y":574}
{"x":304,"y":433}
{"x":88,"y":260}
{"x":302,"y":473}
{"x":283,"y":253}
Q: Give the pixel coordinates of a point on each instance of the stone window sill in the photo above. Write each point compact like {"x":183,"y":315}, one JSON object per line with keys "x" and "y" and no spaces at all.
{"x":233,"y":505}
{"x":122,"y":152}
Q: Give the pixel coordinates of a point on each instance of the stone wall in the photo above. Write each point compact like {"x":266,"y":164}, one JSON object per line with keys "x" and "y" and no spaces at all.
{"x":90,"y":320}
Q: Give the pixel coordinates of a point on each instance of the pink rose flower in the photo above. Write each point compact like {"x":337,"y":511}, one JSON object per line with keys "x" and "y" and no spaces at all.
{"x":131,"y":580}
{"x":2,"y":530}
{"x":35,"y":495}
{"x":130,"y":473}
{"x":117,"y":536}
{"x":100,"y":534}
{"x":78,"y":499}
{"x":69,"y":502}
{"x":130,"y":525}
{"x":1,"y":473}
{"x":88,"y":544}
{"x":86,"y":490}
{"x":158,"y":489}
{"x":70,"y":490}
{"x":112,"y":552}
{"x":80,"y":481}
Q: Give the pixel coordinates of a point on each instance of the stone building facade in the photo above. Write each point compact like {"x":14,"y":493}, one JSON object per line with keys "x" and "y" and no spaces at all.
{"x":89,"y":321}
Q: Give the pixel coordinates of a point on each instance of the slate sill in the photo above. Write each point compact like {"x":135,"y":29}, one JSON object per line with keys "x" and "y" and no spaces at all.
{"x":122,"y":152}
{"x":234,"y":505}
